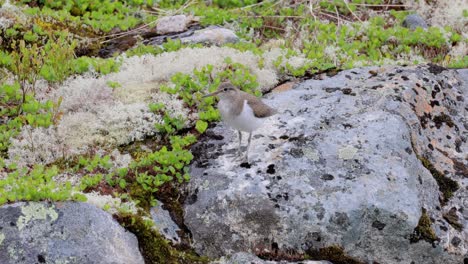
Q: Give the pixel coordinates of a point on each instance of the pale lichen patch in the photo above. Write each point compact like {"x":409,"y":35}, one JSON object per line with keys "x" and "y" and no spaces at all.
{"x":110,"y":204}
{"x":2,"y":237}
{"x":311,"y":154}
{"x":15,"y":253}
{"x":35,"y":211}
{"x":347,"y":152}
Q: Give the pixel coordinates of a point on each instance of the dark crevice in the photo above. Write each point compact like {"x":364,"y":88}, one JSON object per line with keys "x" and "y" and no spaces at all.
{"x":446,"y":185}
{"x":153,"y":246}
{"x":334,"y":254}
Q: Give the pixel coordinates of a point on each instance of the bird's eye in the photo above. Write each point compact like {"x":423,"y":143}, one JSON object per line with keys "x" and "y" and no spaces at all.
{"x":225,"y":89}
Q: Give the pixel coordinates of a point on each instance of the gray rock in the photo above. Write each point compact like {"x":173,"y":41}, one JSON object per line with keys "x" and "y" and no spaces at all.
{"x":63,"y":233}
{"x":338,"y":166}
{"x":212,"y":35}
{"x":164,"y":223}
{"x":414,"y":21}
{"x":172,"y":24}
{"x":243,"y":257}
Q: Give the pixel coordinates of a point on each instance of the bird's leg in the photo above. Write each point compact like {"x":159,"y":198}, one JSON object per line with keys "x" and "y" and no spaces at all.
{"x":247,"y":150}
{"x":240,"y":143}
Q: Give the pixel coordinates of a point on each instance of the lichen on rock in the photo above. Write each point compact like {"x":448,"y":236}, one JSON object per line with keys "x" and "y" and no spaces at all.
{"x":35,"y":211}
{"x":363,"y":190}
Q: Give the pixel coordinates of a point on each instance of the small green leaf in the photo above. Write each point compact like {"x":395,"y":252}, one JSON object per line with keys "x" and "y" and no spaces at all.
{"x":201,"y":126}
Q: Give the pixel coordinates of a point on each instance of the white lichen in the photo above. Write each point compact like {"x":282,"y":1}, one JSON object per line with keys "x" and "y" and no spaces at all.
{"x":274,"y":54}
{"x":11,"y":14}
{"x":36,"y":146}
{"x":120,"y":160}
{"x":110,"y":204}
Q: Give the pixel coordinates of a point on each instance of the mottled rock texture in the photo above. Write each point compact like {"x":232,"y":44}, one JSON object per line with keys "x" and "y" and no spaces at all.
{"x":63,"y":233}
{"x":371,"y":160}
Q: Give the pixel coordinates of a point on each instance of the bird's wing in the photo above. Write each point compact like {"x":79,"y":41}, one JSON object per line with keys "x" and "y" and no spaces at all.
{"x":261,"y":110}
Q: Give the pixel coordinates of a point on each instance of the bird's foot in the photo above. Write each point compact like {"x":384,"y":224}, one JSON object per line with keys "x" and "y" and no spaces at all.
{"x":244,"y":158}
{"x":239,"y":157}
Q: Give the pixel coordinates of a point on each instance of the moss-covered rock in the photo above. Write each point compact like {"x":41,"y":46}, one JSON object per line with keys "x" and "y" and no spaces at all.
{"x":334,"y":254}
{"x":424,"y":230}
{"x":154,"y":247}
{"x":447,"y":186}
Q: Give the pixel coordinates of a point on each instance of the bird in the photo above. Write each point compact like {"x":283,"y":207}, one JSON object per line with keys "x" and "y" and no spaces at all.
{"x":242,"y":111}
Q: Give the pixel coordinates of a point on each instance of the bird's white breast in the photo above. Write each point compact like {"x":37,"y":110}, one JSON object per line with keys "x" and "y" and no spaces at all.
{"x":245,"y":121}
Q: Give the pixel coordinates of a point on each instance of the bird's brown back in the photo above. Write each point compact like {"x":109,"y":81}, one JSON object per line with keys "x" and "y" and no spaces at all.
{"x":260,"y":109}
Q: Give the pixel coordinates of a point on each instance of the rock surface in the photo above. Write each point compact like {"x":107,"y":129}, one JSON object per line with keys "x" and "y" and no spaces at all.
{"x":352,"y":162}
{"x":173,"y":24}
{"x":212,"y":35}
{"x":63,"y":233}
{"x":164,"y":223}
{"x":414,"y":21}
{"x":243,"y":257}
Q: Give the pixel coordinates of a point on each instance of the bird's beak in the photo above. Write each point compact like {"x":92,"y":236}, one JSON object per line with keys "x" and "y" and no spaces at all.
{"x":211,"y":94}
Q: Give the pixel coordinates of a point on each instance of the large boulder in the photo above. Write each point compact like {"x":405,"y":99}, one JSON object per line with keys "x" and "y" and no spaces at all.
{"x":63,"y":233}
{"x":370,"y":163}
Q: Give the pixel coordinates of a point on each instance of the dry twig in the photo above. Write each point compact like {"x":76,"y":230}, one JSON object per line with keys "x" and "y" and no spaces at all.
{"x":347,"y":6}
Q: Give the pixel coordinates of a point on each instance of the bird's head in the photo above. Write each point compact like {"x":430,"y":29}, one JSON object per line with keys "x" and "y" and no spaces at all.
{"x":225,"y":90}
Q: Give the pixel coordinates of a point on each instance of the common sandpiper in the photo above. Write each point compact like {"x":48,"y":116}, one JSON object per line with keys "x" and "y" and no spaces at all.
{"x":241,"y":111}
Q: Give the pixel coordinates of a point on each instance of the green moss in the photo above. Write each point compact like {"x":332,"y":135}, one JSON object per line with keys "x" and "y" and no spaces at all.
{"x":423,"y":230}
{"x":334,"y":254}
{"x":452,"y":218}
{"x":154,"y":248}
{"x":446,"y":185}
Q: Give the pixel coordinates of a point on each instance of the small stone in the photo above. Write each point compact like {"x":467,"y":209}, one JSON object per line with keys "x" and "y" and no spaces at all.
{"x":164,"y":223}
{"x":413,"y":21}
{"x":456,"y":241}
{"x":172,"y":24}
{"x":212,"y":35}
{"x":284,"y":87}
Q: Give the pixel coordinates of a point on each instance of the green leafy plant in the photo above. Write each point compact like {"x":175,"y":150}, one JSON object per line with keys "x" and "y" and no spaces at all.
{"x":36,"y":184}
{"x":170,"y":124}
{"x":114,"y":84}
{"x":19,"y":109}
{"x":90,"y":181}
{"x":201,"y":126}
